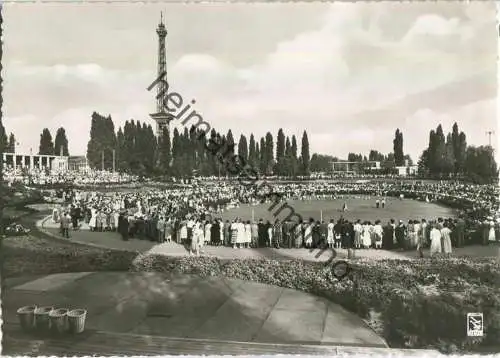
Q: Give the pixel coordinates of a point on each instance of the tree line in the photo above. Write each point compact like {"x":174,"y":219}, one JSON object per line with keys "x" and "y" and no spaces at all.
{"x":184,"y":152}
{"x":450,"y":157}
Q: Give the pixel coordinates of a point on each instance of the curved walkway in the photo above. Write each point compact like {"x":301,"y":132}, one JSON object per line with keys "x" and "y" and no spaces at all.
{"x":111,"y":240}
{"x":188,"y":307}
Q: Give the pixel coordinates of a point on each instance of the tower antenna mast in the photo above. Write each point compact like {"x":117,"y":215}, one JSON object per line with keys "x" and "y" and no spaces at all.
{"x":489,"y":133}
{"x":161,"y":116}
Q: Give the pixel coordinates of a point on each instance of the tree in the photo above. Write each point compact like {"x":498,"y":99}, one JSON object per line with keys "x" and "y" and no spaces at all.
{"x":295,"y":164}
{"x":243,"y":148}
{"x":305,"y":157}
{"x":256,"y":163}
{"x":376,"y":156}
{"x":263,"y":155}
{"x":46,"y":145}
{"x":269,"y":155}
{"x":280,"y":152}
{"x":440,"y":151}
{"x":4,"y":142}
{"x":11,"y":146}
{"x":398,"y":148}
{"x":287,"y":161}
{"x":461,"y":153}
{"x":61,"y":143}
{"x":252,"y":152}
{"x":480,"y":164}
{"x":449,"y":156}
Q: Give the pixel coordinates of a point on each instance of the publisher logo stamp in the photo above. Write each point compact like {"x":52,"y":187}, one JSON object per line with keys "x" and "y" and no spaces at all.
{"x":474,"y":324}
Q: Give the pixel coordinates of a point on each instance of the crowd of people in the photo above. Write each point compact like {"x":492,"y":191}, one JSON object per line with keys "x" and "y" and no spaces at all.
{"x":44,"y":177}
{"x":191,"y":215}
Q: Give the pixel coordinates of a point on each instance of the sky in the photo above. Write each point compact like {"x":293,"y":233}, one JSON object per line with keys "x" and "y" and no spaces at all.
{"x":347,"y":73}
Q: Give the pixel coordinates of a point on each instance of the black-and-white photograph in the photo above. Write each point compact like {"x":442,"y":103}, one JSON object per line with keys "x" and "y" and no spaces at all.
{"x":312,"y":178}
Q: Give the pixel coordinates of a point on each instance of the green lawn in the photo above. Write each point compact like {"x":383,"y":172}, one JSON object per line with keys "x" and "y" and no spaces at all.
{"x":358,"y":208}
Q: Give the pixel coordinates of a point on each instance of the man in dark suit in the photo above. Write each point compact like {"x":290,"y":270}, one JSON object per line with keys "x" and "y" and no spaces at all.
{"x":124,"y":230}
{"x":261,"y":242}
{"x":401,"y":236}
{"x":323,"y":229}
{"x":387,"y":238}
{"x":460,"y":232}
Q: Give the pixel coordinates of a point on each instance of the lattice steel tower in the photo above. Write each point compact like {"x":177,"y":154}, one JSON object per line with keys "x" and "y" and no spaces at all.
{"x":161,"y":116}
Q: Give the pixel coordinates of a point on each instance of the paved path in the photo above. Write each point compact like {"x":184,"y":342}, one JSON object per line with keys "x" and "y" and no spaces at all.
{"x":114,"y":241}
{"x":189,"y":307}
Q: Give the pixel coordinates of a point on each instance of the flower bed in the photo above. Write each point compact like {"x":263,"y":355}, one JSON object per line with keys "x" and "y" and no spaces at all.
{"x":412,"y":304}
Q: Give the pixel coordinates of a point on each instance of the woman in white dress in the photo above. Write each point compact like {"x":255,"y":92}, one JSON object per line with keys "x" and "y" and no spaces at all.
{"x":329,"y":237}
{"x":241,"y":237}
{"x":378,"y":231}
{"x":93,"y":219}
{"x":435,"y":237}
{"x":197,"y":239}
{"x":248,"y":234}
{"x":446,"y":239}
{"x":208,"y":232}
{"x":269,"y":234}
{"x":366,"y":238}
{"x":358,"y":231}
{"x":491,"y":233}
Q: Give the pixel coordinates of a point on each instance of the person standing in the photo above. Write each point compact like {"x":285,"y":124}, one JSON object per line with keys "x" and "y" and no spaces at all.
{"x":262,"y":232}
{"x":460,"y":232}
{"x":255,"y":234}
{"x":330,"y":235}
{"x":227,"y":233}
{"x":299,"y":234}
{"x":248,"y":234}
{"x":446,"y":239}
{"x":65,"y":222}
{"x":401,"y":235}
{"x":124,"y":228}
{"x":435,"y":237}
{"x":358,"y":230}
{"x":269,"y":236}
{"x":277,"y":234}
{"x":160,"y":226}
{"x":323,"y":230}
{"x":208,"y":232}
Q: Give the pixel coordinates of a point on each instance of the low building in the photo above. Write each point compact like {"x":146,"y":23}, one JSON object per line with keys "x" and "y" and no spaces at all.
{"x":33,"y":161}
{"x":406,"y":170}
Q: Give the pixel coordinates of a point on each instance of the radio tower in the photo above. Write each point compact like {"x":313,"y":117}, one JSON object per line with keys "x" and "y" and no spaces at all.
{"x":161,"y":117}
{"x":489,"y":133}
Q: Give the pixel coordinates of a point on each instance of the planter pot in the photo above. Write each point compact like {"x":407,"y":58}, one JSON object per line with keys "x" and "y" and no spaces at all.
{"x":76,"y":320}
{"x":42,"y":322}
{"x":26,"y":317}
{"x":59,"y":320}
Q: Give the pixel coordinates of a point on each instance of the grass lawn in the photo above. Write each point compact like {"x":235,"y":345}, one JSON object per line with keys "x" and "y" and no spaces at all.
{"x":358,"y":208}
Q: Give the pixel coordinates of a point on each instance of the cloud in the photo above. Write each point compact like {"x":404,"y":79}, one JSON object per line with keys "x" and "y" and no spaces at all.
{"x":348,"y":82}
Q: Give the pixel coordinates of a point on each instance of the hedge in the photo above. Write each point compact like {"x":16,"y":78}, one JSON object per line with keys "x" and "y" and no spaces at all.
{"x":411,"y":303}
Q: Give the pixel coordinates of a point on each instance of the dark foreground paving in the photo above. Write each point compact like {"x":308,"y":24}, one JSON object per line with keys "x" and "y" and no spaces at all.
{"x":182,"y":307}
{"x":115,"y":344}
